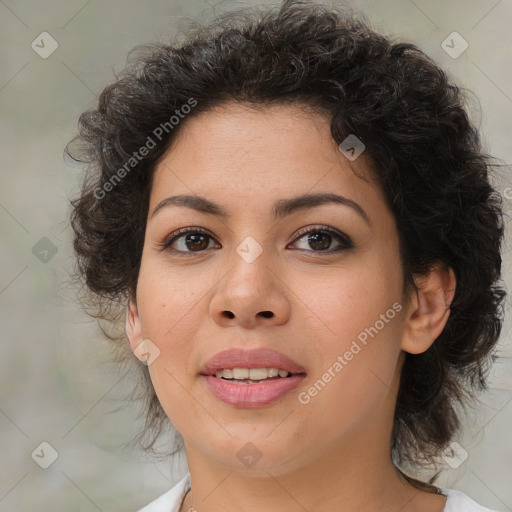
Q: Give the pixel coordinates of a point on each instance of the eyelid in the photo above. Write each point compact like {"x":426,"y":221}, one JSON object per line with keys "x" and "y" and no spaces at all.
{"x":321,"y":228}
{"x":345,"y":240}
{"x":166,"y":242}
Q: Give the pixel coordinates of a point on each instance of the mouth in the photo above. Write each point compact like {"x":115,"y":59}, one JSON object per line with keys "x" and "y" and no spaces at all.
{"x":250,"y":393}
{"x":248,"y":378}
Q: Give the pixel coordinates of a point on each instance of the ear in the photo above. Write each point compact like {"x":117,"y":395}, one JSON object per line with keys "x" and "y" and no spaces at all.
{"x":133,"y":329}
{"x":428,"y":309}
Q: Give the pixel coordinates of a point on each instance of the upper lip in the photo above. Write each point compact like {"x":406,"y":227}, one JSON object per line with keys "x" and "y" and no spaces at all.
{"x":250,"y":358}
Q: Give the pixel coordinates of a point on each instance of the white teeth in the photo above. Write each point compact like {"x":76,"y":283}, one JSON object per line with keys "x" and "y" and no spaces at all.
{"x":251,"y":373}
{"x":273,"y":372}
{"x":258,"y":373}
{"x":240,"y":373}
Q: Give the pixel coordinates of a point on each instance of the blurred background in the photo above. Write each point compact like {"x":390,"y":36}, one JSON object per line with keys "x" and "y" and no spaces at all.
{"x":61,"y":399}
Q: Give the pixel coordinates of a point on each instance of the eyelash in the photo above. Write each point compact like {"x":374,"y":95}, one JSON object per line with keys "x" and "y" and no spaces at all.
{"x":345,"y":240}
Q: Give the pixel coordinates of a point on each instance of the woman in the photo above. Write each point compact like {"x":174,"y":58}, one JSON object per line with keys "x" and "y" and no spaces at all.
{"x":292,"y":210}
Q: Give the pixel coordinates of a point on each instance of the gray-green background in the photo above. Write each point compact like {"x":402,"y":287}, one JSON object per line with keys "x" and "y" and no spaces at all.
{"x":56,"y":384}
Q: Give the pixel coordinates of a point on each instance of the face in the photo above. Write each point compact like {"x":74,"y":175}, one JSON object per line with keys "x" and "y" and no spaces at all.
{"x":320,"y":284}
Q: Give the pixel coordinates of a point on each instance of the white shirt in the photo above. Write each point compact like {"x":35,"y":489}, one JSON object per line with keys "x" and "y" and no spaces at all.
{"x":456,"y":501}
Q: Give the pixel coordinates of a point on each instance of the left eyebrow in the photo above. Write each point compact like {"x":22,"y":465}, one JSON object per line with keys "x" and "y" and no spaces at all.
{"x":281,"y":208}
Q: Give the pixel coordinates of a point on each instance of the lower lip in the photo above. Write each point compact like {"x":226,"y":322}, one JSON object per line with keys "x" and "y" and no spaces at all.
{"x":252,"y":395}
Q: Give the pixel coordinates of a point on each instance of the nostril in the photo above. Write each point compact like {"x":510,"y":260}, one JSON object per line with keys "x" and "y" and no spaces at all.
{"x":229,"y":314}
{"x":267,"y":314}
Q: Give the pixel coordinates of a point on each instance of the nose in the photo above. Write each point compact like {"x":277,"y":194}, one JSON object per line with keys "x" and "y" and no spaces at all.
{"x":250,"y":294}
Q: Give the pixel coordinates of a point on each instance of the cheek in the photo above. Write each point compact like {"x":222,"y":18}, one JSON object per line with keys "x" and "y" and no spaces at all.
{"x":350,"y":299}
{"x":171,"y":311}
{"x":170,"y":302}
{"x":355,"y":373}
{"x":170,"y":308}
{"x":358,"y":332}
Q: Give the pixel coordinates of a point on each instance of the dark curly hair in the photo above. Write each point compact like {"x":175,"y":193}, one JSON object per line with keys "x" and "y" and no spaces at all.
{"x":425,"y":152}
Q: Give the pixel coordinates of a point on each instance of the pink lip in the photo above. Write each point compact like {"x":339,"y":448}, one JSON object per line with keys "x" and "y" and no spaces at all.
{"x":252,"y":395}
{"x":250,"y":358}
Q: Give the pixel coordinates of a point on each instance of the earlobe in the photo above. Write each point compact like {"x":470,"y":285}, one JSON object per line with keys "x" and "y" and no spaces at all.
{"x":143,"y":349}
{"x":429,"y":309}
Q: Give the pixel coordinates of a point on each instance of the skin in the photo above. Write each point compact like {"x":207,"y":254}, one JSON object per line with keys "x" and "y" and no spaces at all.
{"x":336,"y":449}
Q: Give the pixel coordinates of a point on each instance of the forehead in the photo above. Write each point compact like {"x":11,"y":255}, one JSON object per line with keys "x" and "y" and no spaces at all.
{"x":260,"y":155}
{"x":239,"y":132}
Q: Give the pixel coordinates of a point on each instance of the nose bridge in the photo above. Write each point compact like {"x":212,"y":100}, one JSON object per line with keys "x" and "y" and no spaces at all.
{"x":251,"y":267}
{"x":251,"y":244}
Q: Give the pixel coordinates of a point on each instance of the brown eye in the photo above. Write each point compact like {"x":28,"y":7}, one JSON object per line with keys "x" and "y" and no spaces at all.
{"x":320,"y":240}
{"x":187,"y":240}
{"x":196,"y":242}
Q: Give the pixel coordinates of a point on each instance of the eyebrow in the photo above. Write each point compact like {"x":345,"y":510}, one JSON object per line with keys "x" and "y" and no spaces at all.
{"x":281,"y":208}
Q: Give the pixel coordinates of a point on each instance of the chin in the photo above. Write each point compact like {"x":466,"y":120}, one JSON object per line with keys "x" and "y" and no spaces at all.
{"x":256,"y":456}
